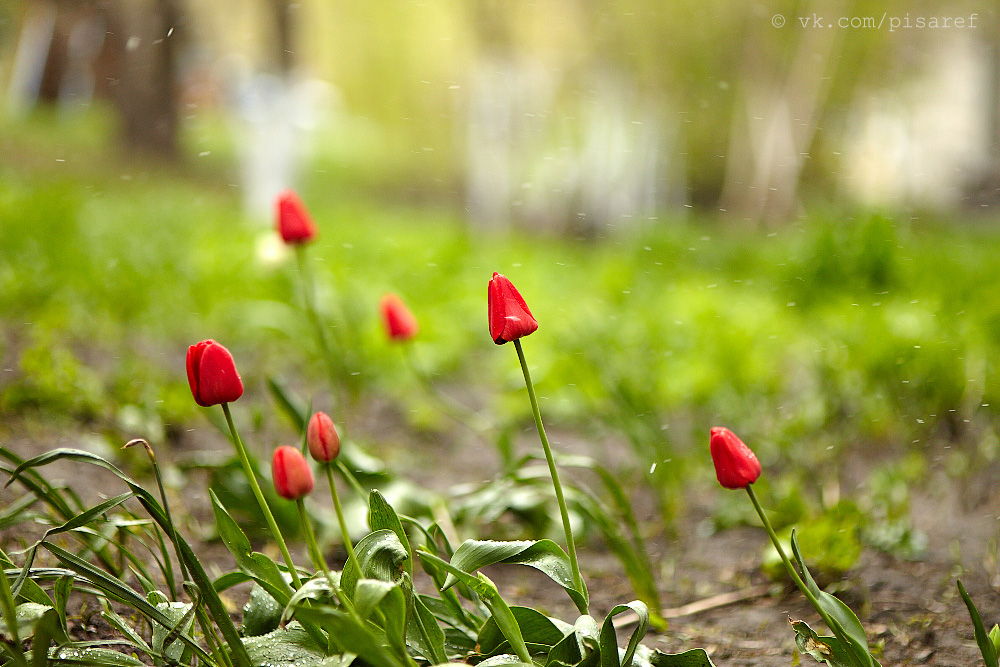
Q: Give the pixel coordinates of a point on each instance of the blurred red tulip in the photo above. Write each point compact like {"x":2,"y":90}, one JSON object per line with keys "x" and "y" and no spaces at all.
{"x":322,"y":438}
{"x":736,"y":467}
{"x":399,"y":322}
{"x":212,"y":374}
{"x":294,"y":223}
{"x":509,"y":316}
{"x":290,"y":472}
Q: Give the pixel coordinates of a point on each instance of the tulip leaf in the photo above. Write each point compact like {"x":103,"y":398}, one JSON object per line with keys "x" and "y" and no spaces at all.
{"x":984,"y":639}
{"x":288,"y":404}
{"x":848,"y":628}
{"x":290,"y":647}
{"x":609,"y":639}
{"x":258,"y":566}
{"x":26,"y":615}
{"x":646,"y":657}
{"x":382,"y":516}
{"x":543,"y":555}
{"x":364,"y":641}
{"x":540,"y":632}
{"x":829,"y":650}
{"x":380,"y":556}
{"x":424,"y":631}
{"x":163,"y":640}
{"x":92,"y":655}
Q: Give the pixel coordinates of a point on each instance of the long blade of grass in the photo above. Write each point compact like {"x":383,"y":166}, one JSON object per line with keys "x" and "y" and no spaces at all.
{"x":986,"y":646}
{"x":212,"y":601}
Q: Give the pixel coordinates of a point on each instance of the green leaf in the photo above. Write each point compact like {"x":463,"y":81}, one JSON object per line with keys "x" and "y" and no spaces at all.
{"x":830,"y":650}
{"x":27,"y":615}
{"x":30,"y":591}
{"x":261,"y":613}
{"x":47,"y":630}
{"x":543,"y":555}
{"x":540,"y":632}
{"x":609,"y":639}
{"x":211,"y":599}
{"x":986,"y":643}
{"x":261,"y":568}
{"x":505,"y":660}
{"x":90,"y":656}
{"x":182,"y":616}
{"x":390,"y":601}
{"x":849,"y":628}
{"x":424,"y":631}
{"x":119,"y":624}
{"x":380,"y":556}
{"x":288,"y":404}
{"x":360,"y":637}
{"x":696,"y":657}
{"x":317,"y":588}
{"x":118,"y":590}
{"x":382,"y":516}
{"x":291,"y":647}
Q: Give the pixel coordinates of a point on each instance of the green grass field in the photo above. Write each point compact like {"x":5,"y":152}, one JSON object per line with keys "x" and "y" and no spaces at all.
{"x":842,"y":331}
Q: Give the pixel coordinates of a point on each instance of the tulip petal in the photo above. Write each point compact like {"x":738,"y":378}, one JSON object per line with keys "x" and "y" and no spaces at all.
{"x":509,"y":316}
{"x":736,"y":466}
{"x":216,"y":379}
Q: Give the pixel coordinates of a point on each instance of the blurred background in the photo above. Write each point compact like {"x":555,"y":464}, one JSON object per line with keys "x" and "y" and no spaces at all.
{"x":560,"y":115}
{"x":777,"y":216}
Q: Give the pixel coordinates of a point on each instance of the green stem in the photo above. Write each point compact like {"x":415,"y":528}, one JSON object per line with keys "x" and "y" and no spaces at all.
{"x":252,"y":478}
{"x":351,"y":557}
{"x":309,"y":300}
{"x":319,"y":561}
{"x":317,"y":557}
{"x":446,"y":404}
{"x":553,"y":471}
{"x":352,"y":480}
{"x":788,"y":564}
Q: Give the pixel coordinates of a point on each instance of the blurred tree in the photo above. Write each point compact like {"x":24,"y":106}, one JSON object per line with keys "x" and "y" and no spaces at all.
{"x":143,"y":36}
{"x":125,"y":50}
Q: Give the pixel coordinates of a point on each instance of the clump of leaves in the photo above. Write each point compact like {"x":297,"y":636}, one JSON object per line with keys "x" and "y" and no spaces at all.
{"x":371,"y":612}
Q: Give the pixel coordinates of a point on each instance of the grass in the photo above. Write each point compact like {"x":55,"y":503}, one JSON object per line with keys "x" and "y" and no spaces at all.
{"x":841,"y":330}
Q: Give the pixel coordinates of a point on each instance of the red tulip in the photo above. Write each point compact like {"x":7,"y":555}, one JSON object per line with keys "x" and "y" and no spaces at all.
{"x":290,"y":472}
{"x":736,"y":466}
{"x":294,"y":223}
{"x":399,"y":322}
{"x":510,"y":318}
{"x":212,"y":374}
{"x":322,"y":438}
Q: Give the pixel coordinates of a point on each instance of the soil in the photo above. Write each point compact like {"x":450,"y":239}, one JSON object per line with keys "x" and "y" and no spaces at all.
{"x":715,"y":594}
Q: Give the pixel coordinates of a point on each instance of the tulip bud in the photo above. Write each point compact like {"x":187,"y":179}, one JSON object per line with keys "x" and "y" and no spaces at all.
{"x":294,"y":223}
{"x":322,"y":438}
{"x":509,"y":316}
{"x":736,"y":467}
{"x":212,"y":374}
{"x":290,"y":472}
{"x":399,"y":322}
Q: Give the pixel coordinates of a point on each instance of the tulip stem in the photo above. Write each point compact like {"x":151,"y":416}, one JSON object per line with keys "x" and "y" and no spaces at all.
{"x":309,"y":299}
{"x":788,"y":564}
{"x":351,"y":557}
{"x":446,"y":403}
{"x":252,"y":478}
{"x":553,"y":471}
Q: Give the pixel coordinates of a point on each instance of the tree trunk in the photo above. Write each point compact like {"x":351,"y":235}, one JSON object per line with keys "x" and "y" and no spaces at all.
{"x":143,"y":37}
